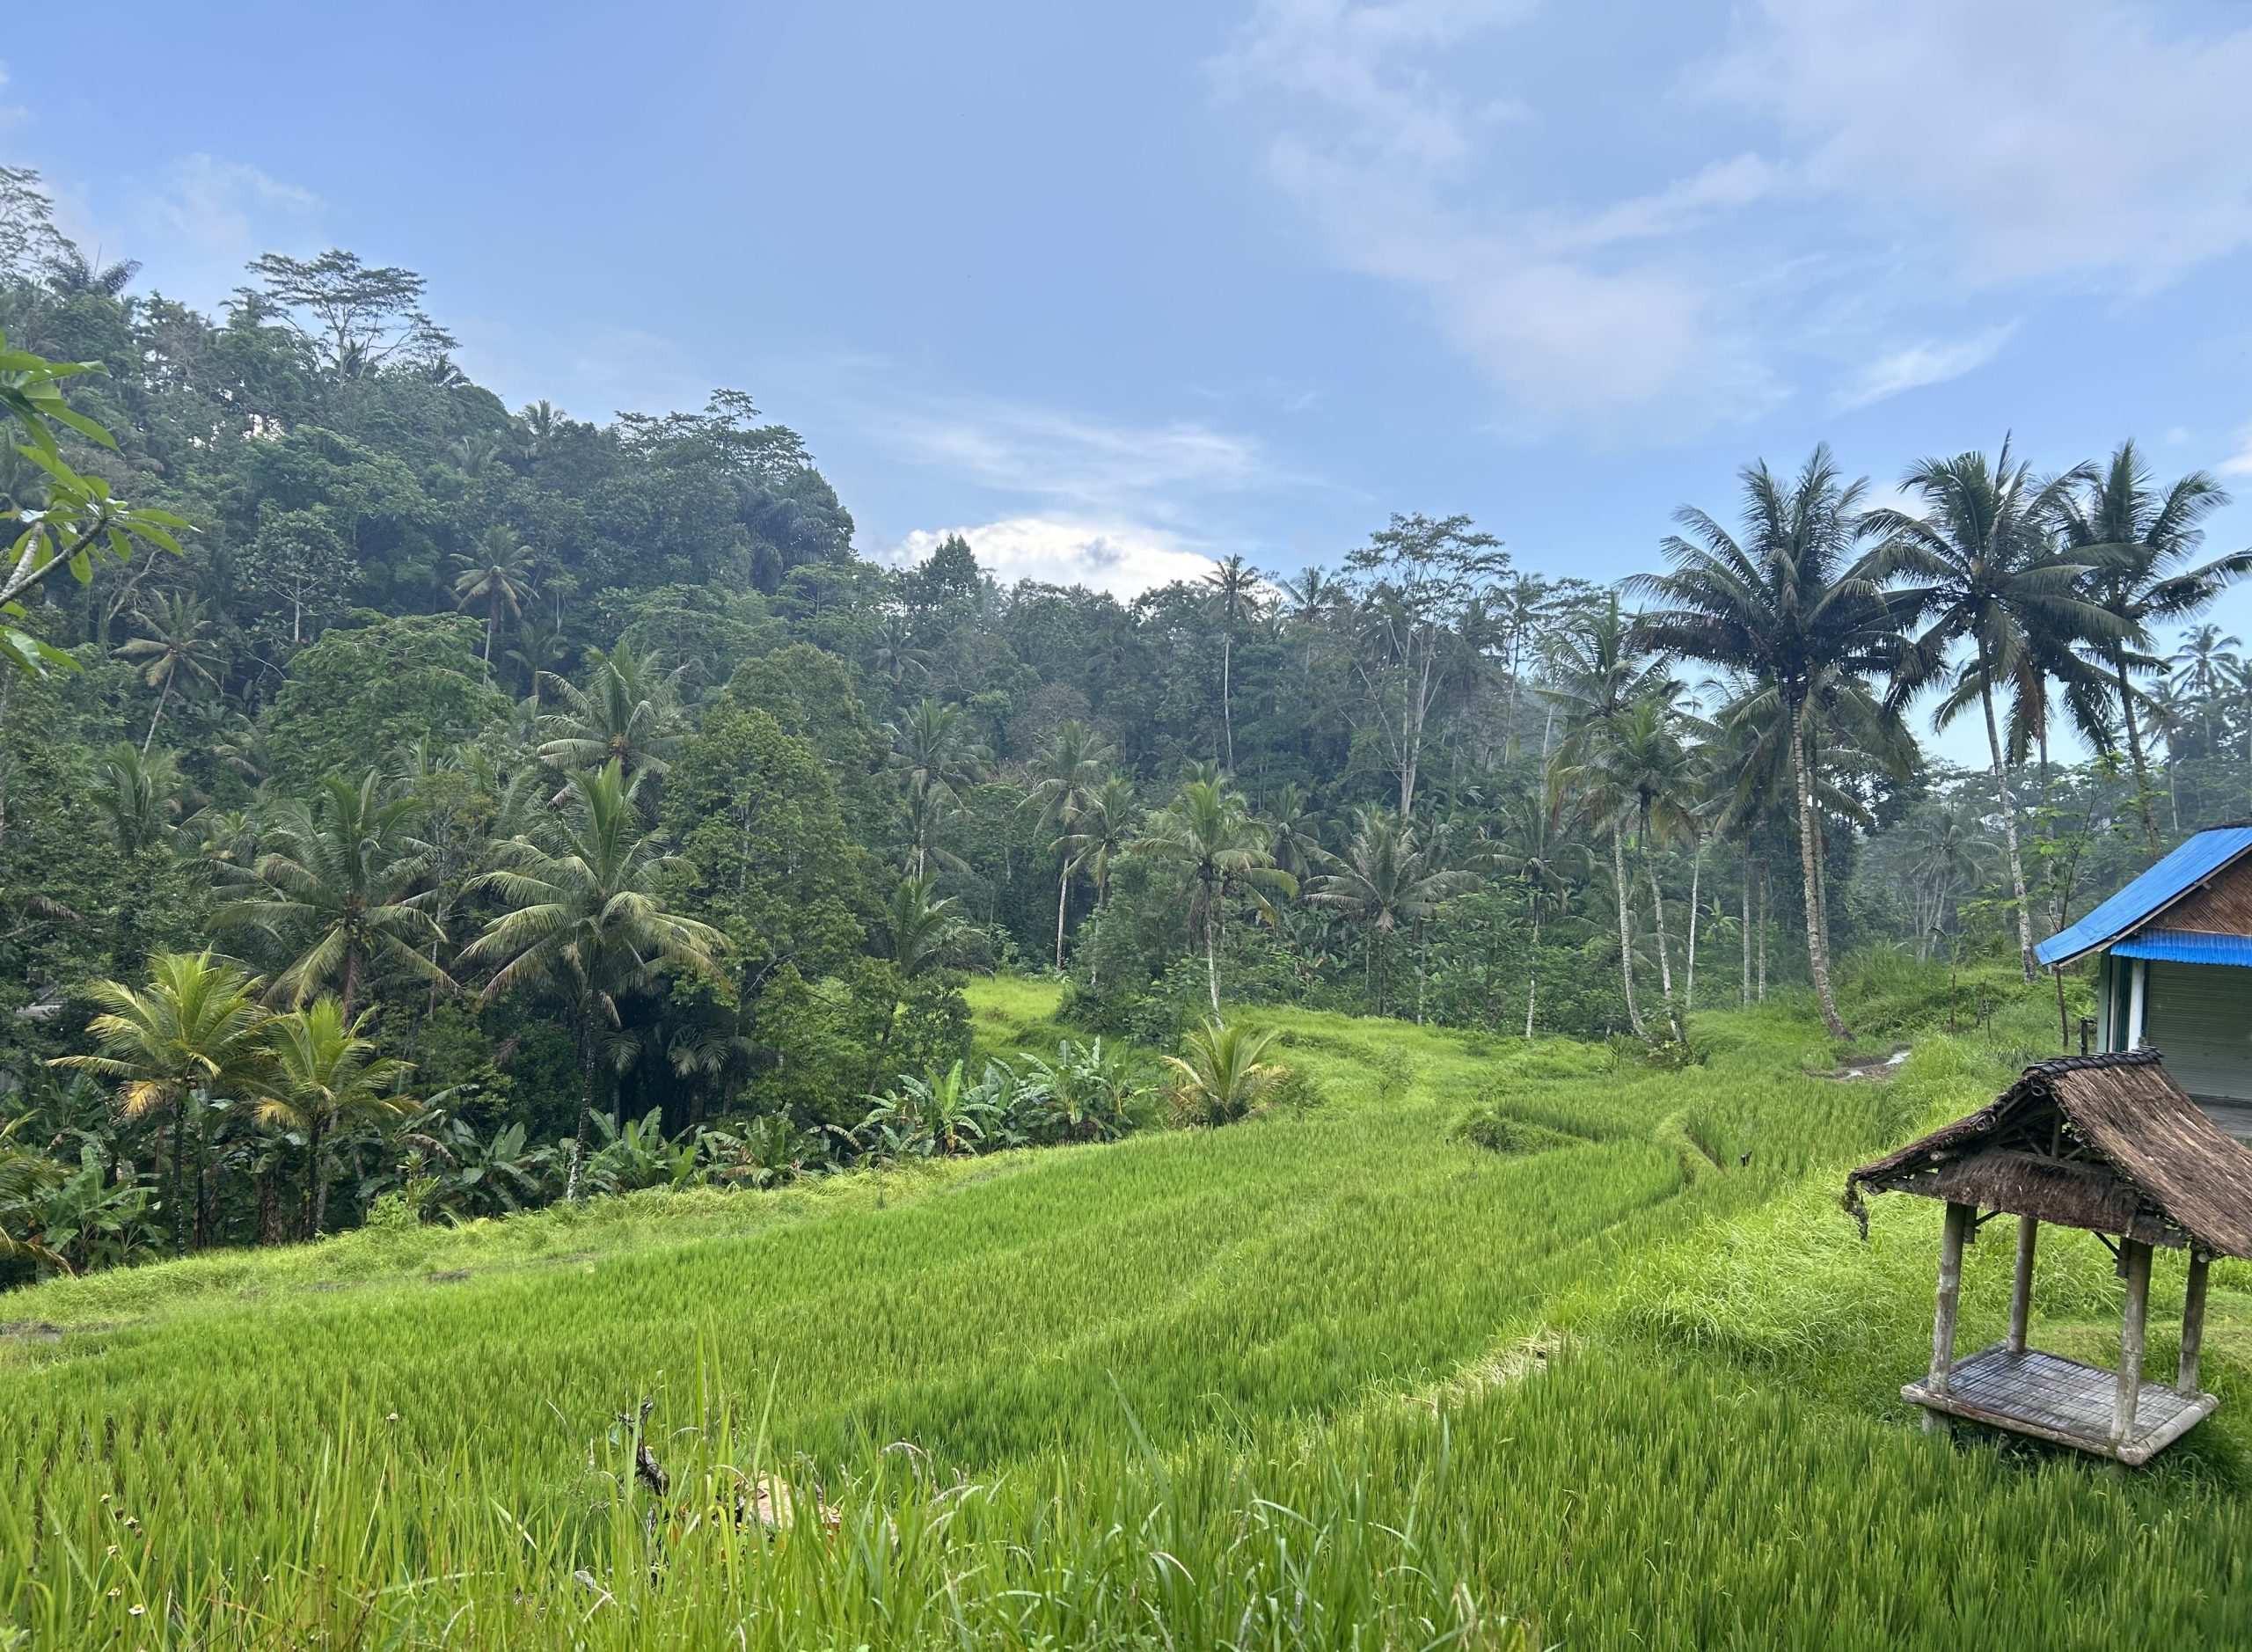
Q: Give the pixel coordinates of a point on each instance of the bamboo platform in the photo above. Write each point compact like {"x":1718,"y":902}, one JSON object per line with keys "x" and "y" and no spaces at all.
{"x":2062,"y":1401}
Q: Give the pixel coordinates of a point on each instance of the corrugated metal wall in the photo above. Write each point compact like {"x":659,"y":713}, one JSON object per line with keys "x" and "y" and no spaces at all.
{"x":2200,"y":1018}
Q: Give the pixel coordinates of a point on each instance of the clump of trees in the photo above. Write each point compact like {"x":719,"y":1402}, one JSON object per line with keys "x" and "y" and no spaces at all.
{"x":580,"y":783}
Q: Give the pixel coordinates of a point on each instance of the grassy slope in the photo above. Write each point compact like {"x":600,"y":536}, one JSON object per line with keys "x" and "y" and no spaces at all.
{"x":1630,"y":1386}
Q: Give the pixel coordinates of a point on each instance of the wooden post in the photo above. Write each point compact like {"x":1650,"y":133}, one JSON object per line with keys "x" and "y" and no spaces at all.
{"x":2021,"y":1294}
{"x":2193,"y":1322}
{"x":1959,"y":1217}
{"x":2134,"y":1257}
{"x":2137,"y":988}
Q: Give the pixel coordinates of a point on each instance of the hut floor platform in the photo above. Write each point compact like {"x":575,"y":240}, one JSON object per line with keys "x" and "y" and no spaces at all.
{"x":2062,"y":1401}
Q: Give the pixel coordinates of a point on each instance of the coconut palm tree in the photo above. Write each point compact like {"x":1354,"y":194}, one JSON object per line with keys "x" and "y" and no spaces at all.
{"x":919,"y":929}
{"x":175,"y":637}
{"x":339,"y":885}
{"x":194,"y":1031}
{"x":1597,"y":670}
{"x":498,"y":576}
{"x":2141,"y":541}
{"x":1651,"y":774}
{"x":1233,"y":585}
{"x":1220,"y":1072}
{"x":1533,"y":848}
{"x":628,"y":713}
{"x":934,"y":753}
{"x":2202,"y":668}
{"x":538,"y":646}
{"x":325,"y":1076}
{"x":584,"y":918}
{"x":1388,"y":876}
{"x":1795,"y":606}
{"x":138,"y":791}
{"x":1208,"y":828}
{"x":1067,"y":775}
{"x":1989,"y":571}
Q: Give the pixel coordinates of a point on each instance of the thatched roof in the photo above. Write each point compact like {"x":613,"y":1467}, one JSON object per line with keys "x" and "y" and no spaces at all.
{"x":2107,"y":1143}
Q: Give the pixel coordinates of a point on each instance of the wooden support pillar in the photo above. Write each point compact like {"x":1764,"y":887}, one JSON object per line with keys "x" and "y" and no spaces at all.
{"x":2134,"y":1260}
{"x":1953,"y":1233}
{"x":2137,"y":990}
{"x":2021,"y":1294}
{"x":2193,"y":1322}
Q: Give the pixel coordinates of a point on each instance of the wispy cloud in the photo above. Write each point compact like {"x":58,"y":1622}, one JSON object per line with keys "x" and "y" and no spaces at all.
{"x":1073,"y":460}
{"x":202,"y":217}
{"x":1890,"y":177}
{"x":1121,"y":558}
{"x":2239,"y":463}
{"x":2116,"y":147}
{"x":1912,"y":366}
{"x":10,"y":114}
{"x":1585,"y":313}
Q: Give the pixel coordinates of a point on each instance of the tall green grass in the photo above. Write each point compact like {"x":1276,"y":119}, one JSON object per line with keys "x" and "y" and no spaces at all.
{"x":1340,"y":1379}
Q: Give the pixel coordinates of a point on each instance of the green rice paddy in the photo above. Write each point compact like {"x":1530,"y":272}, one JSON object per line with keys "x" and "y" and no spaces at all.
{"x":1628,"y":1376}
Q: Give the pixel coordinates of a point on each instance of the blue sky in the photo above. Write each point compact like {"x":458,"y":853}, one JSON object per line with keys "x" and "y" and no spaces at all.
{"x":1115,"y":287}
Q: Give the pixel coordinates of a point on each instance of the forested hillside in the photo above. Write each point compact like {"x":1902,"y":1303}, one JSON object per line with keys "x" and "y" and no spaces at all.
{"x":480,"y":807}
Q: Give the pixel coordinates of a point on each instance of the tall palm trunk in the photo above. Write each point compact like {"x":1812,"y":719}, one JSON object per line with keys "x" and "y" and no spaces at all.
{"x":1212,"y":943}
{"x":2008,"y":802}
{"x":1664,"y":960}
{"x":586,"y":1113}
{"x":1063,"y":905}
{"x":179,"y":1131}
{"x":1227,"y":712}
{"x":1744,"y":923}
{"x":1532,"y":981}
{"x":1689,"y":968}
{"x":149,"y":739}
{"x":2136,"y":756}
{"x":316,"y":1184}
{"x":1625,"y":934}
{"x":1766,"y":908}
{"x":1809,"y":857}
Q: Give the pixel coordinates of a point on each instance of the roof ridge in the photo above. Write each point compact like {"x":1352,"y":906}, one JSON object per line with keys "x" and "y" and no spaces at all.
{"x":2139,"y":1057}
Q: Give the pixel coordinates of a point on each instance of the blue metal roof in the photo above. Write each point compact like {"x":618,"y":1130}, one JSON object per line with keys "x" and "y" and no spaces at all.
{"x":2187,"y":865}
{"x":2184,"y":945}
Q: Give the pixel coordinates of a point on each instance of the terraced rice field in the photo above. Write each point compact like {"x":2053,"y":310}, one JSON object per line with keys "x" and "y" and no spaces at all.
{"x":1336,"y":1379}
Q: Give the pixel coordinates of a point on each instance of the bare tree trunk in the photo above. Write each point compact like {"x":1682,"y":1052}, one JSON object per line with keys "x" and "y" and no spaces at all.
{"x":2009,"y":826}
{"x":1744,"y":924}
{"x":179,"y":1128}
{"x":315,"y":1184}
{"x":149,"y":739}
{"x":1625,"y":934}
{"x":1767,"y":906}
{"x":1689,"y":969}
{"x":1228,"y":710}
{"x":1212,"y":962}
{"x":1532,"y":983}
{"x":1063,"y":905}
{"x":1809,"y":855}
{"x":1665,"y":962}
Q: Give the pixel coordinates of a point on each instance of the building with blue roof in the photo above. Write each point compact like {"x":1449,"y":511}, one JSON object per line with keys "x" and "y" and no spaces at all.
{"x":2173,"y":968}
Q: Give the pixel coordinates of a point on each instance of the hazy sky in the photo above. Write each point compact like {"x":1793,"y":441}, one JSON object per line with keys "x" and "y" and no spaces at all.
{"x":1116,"y":286}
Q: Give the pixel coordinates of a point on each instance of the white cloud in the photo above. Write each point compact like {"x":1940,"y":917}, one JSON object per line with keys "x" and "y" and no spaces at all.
{"x":1121,"y":559}
{"x":204,"y":218}
{"x":1902,"y":154}
{"x":1071,"y":461}
{"x":1912,"y":366}
{"x":2239,"y":463}
{"x":1587,"y":315}
{"x":2079,"y":138}
{"x":10,"y":114}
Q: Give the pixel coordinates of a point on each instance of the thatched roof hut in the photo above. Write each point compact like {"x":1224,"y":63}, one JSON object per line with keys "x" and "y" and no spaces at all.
{"x":2106,"y":1143}
{"x":2109,"y":1143}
